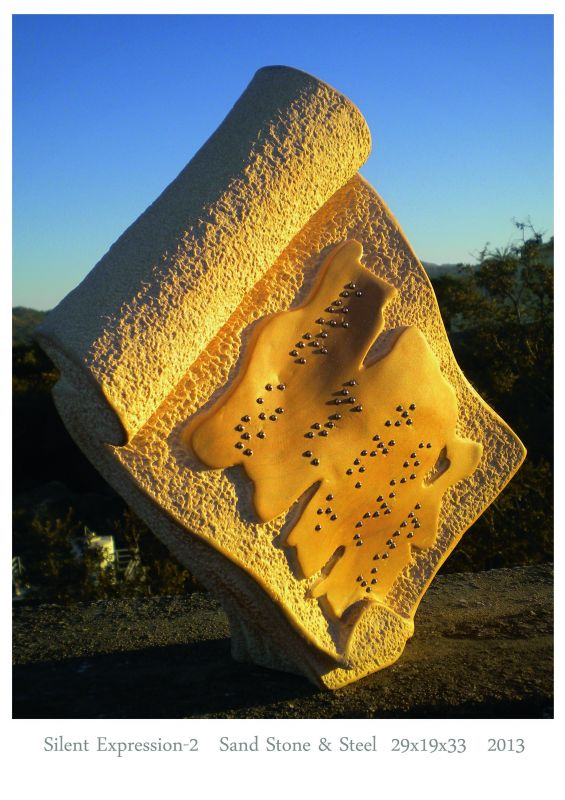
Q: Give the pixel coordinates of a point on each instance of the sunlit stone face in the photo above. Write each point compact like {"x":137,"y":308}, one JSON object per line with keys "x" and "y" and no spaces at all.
{"x":368,"y":438}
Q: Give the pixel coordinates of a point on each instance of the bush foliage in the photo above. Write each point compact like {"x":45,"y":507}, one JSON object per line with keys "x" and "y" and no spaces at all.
{"x":499,"y":317}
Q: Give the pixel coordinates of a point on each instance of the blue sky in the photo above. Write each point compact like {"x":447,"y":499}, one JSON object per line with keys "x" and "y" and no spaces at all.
{"x":108,"y":109}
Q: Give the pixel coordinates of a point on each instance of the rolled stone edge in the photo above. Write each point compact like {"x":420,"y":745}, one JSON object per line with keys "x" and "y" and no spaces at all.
{"x":141,"y":317}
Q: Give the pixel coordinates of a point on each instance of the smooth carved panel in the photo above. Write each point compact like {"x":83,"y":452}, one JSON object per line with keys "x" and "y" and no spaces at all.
{"x":373,"y":438}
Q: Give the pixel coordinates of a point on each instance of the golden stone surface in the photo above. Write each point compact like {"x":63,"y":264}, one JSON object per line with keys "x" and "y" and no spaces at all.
{"x":370,"y":436}
{"x":198,"y":306}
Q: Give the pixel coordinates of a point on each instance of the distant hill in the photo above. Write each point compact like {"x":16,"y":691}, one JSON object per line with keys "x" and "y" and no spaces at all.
{"x":437,"y":270}
{"x":24,"y":320}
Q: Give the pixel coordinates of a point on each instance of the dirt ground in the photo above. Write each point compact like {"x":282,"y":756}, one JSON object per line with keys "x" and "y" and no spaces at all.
{"x":483,"y":647}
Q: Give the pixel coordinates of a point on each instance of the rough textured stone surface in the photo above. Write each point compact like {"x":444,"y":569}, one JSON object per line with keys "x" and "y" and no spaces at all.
{"x":174,"y":277}
{"x":206,"y":517}
{"x":483,"y":647}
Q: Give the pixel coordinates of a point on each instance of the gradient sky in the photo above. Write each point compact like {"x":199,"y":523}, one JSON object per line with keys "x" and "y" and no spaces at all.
{"x":108,"y":109}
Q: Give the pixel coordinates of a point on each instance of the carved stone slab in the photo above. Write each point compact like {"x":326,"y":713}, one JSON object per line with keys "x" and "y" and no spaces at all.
{"x":259,"y":367}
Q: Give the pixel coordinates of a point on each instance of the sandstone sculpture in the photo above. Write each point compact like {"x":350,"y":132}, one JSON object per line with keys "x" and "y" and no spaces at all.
{"x":258,"y":365}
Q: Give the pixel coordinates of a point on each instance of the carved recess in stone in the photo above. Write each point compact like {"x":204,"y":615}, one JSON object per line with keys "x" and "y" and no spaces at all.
{"x":359,"y":424}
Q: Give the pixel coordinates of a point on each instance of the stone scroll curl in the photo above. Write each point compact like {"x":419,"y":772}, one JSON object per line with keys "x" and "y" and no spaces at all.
{"x":258,"y":365}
